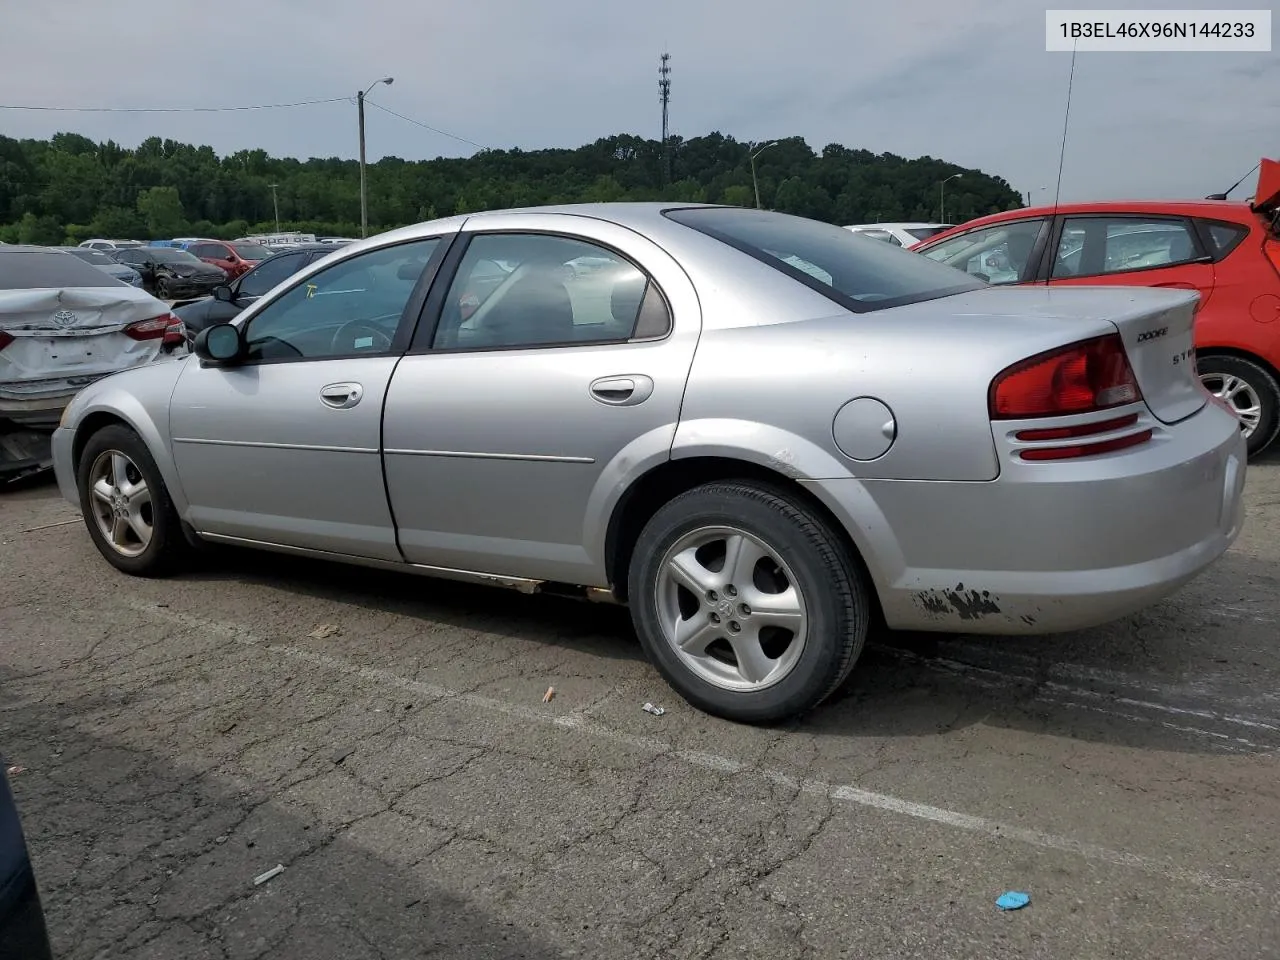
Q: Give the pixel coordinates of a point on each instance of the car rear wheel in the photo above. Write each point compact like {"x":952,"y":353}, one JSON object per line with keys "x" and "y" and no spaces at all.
{"x":746,"y":602}
{"x":1247,"y":389}
{"x":126,"y":506}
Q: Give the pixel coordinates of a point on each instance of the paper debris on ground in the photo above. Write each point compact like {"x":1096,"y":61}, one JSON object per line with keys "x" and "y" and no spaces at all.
{"x":551,"y":692}
{"x":264,"y":877}
{"x":324,"y":630}
{"x":656,"y":711}
{"x":15,"y":770}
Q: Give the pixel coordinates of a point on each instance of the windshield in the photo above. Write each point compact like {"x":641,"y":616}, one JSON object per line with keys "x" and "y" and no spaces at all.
{"x":252,"y":251}
{"x":42,"y":269}
{"x":93,"y":256}
{"x":924,"y":233}
{"x":858,"y":273}
{"x":170,"y":255}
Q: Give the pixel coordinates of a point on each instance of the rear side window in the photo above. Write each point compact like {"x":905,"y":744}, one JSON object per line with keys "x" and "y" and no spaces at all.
{"x":1091,"y":246}
{"x":38,"y":270}
{"x":1222,"y":237}
{"x":859,"y":274}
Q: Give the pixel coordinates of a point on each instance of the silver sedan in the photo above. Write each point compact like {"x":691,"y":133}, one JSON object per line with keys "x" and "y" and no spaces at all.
{"x":763,"y":433}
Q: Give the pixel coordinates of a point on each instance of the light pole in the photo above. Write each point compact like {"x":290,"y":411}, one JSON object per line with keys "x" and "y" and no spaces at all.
{"x":754,"y":183}
{"x":942,"y":198}
{"x":1030,"y":192}
{"x":364,"y":199}
{"x":276,"y":202}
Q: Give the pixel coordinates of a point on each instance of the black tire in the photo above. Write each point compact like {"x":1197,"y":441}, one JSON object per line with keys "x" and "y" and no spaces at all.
{"x":168,"y":549}
{"x":1260,"y":381}
{"x":834,"y":586}
{"x":162,"y":290}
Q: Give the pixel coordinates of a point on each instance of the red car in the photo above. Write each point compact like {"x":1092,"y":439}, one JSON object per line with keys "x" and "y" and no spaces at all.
{"x":1229,"y":251}
{"x":234,"y":257}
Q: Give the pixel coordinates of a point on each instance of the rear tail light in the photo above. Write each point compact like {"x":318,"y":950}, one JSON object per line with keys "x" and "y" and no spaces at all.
{"x":153,"y":329}
{"x":1084,"y":377}
{"x":5,"y":339}
{"x":175,"y":333}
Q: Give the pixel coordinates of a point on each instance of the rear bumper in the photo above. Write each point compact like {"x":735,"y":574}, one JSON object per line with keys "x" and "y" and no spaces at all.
{"x":1064,"y":548}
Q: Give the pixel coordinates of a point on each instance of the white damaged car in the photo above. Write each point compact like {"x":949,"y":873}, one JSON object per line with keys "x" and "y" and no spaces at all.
{"x":64,"y":324}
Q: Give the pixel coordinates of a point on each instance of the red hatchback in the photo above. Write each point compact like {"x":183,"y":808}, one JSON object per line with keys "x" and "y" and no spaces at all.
{"x":235,"y":258}
{"x":1229,"y":251}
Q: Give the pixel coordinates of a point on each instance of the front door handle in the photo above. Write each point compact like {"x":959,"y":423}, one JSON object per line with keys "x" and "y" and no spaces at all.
{"x":622,"y":391}
{"x":341,"y":396}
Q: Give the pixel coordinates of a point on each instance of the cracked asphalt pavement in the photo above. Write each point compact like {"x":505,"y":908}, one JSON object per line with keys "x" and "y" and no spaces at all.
{"x":179,"y":738}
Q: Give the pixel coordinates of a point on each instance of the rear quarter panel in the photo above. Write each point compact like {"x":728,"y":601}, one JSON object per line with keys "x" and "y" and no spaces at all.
{"x":770,"y":393}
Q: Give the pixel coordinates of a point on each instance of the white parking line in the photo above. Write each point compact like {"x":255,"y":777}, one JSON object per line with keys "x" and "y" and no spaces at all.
{"x":578,"y":723}
{"x":1051,"y":691}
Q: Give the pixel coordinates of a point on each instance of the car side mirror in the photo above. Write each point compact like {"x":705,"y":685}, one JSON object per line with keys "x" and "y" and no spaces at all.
{"x":224,"y":293}
{"x":219,"y":343}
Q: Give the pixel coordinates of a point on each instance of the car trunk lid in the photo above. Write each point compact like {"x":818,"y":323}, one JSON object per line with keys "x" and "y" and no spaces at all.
{"x":57,"y":340}
{"x":1156,"y":324}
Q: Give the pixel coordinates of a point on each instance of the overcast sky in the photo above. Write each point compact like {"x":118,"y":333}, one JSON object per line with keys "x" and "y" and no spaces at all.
{"x":968,"y":81}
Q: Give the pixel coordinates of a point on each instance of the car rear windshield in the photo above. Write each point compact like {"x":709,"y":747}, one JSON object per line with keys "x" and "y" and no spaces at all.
{"x":170,"y":255}
{"x":252,"y":251}
{"x":89,"y":255}
{"x":39,"y":270}
{"x":924,"y":233}
{"x":856,"y":272}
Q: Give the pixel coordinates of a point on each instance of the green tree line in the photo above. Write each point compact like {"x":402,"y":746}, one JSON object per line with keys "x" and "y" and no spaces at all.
{"x":69,"y":188}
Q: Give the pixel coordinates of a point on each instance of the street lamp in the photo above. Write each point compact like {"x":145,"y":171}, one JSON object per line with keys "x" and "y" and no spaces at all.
{"x":364,"y":199}
{"x":942,"y":198}
{"x":275,"y":200}
{"x":754,"y":183}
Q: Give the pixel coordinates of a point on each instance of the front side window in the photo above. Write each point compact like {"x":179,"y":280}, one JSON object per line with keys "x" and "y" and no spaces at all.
{"x":1093,"y":246}
{"x":251,"y":251}
{"x":998,"y":254}
{"x":269,"y":273}
{"x":523,"y":290}
{"x":858,"y":275}
{"x":924,"y":233}
{"x":352,"y":308}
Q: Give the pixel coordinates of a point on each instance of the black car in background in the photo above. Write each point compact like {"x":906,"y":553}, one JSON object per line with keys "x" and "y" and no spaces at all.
{"x":170,"y":273}
{"x":23,"y":935}
{"x":227,"y":301}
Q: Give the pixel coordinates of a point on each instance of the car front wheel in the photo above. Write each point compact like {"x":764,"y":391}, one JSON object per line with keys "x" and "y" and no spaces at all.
{"x":1250,"y":391}
{"x":126,"y":506}
{"x":746,"y":602}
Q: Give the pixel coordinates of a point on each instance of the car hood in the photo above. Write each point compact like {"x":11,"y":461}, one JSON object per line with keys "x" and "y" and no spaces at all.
{"x":188,"y":269}
{"x":69,"y":311}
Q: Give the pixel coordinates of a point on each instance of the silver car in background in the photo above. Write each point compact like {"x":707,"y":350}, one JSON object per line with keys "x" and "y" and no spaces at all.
{"x":762,"y":433}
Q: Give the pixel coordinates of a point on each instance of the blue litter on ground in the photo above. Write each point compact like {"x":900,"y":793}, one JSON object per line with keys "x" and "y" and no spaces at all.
{"x":1013,"y":900}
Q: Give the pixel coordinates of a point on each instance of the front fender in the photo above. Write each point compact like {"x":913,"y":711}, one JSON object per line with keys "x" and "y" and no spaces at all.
{"x":140,"y":398}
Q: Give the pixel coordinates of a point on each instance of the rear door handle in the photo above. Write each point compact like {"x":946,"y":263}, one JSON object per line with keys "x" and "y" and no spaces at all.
{"x":622,"y":391}
{"x":341,"y":396}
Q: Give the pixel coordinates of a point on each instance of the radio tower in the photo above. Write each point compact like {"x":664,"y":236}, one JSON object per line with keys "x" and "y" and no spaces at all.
{"x":664,"y":89}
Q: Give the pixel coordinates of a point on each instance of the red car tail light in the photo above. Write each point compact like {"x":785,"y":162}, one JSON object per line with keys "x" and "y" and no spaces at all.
{"x":5,"y":339}
{"x":1080,"y":378}
{"x":175,"y":333}
{"x":153,"y":329}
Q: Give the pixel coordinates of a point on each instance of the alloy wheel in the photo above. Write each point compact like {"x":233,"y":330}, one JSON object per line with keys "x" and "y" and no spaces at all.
{"x":1239,"y":395}
{"x":731,"y":608}
{"x":122,"y":506}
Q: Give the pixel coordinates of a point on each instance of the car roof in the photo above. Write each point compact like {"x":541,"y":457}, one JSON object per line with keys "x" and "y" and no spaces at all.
{"x":1225,"y":209}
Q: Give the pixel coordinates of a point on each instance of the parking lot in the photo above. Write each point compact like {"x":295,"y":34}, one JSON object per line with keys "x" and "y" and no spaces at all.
{"x":386,"y":740}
